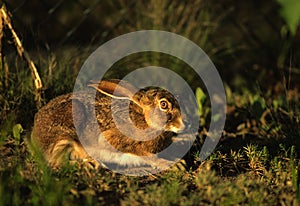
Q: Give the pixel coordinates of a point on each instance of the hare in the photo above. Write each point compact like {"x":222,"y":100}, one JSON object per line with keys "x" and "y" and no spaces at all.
{"x":136,"y":123}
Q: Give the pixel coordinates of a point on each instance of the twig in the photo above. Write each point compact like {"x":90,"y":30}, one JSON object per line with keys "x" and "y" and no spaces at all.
{"x":21,"y":51}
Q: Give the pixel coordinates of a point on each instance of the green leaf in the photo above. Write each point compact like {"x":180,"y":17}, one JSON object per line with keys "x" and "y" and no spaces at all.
{"x":200,"y":98}
{"x":290,"y":11}
{"x":17,"y":131}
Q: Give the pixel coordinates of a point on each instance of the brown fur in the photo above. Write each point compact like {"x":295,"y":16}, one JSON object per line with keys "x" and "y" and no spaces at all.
{"x":54,"y":127}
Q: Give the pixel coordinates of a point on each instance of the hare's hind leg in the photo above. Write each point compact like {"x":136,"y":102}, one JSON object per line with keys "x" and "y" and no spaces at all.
{"x":69,"y":150}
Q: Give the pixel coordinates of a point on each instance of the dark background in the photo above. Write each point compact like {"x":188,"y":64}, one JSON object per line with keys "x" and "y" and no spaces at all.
{"x":241,"y":35}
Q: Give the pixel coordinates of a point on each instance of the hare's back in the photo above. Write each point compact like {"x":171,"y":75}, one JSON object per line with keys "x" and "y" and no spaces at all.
{"x":54,"y":121}
{"x":67,"y":115}
{"x":58,"y":112}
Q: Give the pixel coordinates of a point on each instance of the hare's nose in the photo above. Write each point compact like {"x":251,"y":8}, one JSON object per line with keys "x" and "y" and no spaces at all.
{"x":182,"y":125}
{"x":186,"y":124}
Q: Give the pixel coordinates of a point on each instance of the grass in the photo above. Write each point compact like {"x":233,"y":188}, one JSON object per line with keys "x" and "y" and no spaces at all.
{"x":248,"y":176}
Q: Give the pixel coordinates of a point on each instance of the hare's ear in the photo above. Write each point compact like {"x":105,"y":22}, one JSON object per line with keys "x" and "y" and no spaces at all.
{"x":116,"y":88}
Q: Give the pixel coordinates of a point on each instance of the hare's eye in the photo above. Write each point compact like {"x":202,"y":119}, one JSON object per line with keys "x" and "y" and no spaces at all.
{"x":163,"y":105}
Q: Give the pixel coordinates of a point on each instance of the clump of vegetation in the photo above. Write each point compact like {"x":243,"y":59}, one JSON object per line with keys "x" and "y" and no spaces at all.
{"x":250,"y":175}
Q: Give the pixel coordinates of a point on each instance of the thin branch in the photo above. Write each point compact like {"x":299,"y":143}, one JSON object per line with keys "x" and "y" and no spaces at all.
{"x":21,"y":51}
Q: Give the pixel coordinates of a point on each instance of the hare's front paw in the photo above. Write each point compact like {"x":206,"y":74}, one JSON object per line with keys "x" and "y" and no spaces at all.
{"x":159,"y":163}
{"x":108,"y":157}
